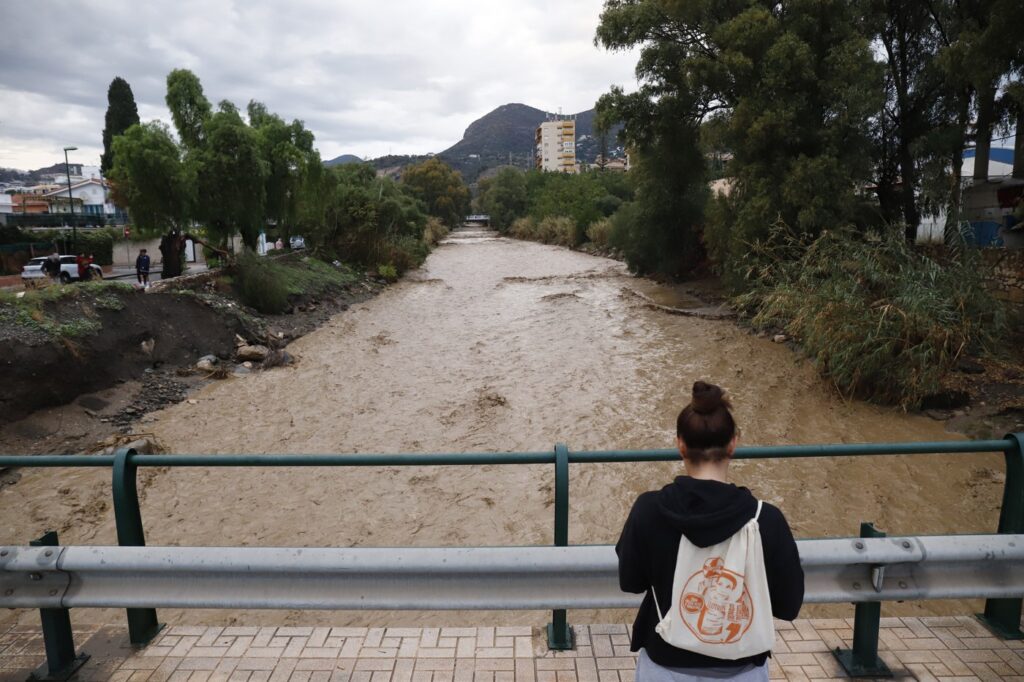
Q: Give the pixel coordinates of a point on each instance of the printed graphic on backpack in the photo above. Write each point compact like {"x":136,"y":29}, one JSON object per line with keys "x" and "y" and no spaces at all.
{"x":716,"y":604}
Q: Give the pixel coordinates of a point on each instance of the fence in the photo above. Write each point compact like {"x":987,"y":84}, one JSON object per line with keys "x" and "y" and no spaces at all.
{"x":1002,"y":609}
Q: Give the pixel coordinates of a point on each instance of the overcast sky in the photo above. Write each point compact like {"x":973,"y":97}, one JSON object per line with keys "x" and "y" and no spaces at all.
{"x":368,"y":77}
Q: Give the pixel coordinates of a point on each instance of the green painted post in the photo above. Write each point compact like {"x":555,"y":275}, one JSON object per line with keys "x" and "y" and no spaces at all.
{"x":58,"y":639}
{"x":142,"y":623}
{"x":560,"y":635}
{"x":1002,"y":616}
{"x":862,"y":660}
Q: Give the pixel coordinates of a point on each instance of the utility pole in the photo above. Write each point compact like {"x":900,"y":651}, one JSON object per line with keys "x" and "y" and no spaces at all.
{"x":71,"y":200}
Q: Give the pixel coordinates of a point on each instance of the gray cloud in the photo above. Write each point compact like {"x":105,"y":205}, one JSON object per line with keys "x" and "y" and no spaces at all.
{"x":368,"y":78}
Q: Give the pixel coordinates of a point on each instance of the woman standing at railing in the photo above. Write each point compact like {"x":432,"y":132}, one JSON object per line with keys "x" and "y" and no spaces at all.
{"x":715,"y":562}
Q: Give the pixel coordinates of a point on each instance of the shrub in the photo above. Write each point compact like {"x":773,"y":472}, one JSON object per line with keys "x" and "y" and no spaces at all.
{"x":558,"y":230}
{"x":259,"y":286}
{"x":435,"y":231}
{"x":388,"y":272}
{"x":599,"y":232}
{"x":524,"y":228}
{"x":881,"y":320}
{"x":404,"y":253}
{"x":552,"y":230}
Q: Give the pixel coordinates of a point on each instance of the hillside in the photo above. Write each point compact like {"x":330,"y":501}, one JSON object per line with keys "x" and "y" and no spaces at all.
{"x":505,"y":137}
{"x":343,"y":159}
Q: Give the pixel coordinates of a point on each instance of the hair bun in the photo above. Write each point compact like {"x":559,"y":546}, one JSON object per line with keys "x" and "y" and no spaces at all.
{"x":707,"y":398}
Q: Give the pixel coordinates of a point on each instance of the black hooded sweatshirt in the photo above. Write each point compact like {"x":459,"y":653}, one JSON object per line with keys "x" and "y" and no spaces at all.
{"x":707,"y":512}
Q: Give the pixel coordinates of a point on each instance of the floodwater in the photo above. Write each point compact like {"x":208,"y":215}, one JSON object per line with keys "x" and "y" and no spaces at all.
{"x":503,"y":345}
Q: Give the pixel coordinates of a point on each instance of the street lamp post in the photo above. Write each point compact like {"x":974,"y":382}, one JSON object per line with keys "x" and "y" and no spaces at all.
{"x":71,"y":200}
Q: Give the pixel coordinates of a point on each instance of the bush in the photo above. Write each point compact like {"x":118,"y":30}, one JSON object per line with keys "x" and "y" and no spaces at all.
{"x":599,"y":232}
{"x":434,"y":232}
{"x":558,"y":230}
{"x":259,"y":286}
{"x":524,"y":228}
{"x":880,"y":320}
{"x":388,"y":272}
{"x":100,"y":244}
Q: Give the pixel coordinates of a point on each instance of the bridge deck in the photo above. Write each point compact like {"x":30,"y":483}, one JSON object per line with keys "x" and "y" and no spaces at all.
{"x":924,"y":648}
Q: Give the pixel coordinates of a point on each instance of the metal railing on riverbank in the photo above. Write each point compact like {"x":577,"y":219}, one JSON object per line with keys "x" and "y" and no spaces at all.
{"x":1002,"y":613}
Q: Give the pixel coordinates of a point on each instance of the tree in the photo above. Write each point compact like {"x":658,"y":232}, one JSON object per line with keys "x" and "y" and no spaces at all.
{"x":121,"y":115}
{"x":190,"y":110}
{"x":284,"y":148}
{"x":796,"y":83}
{"x":504,"y":198}
{"x":230,"y":177}
{"x":440,"y":188}
{"x":150,"y":179}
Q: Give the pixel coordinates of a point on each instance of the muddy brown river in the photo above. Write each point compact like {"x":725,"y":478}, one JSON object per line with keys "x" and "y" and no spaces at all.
{"x":499,"y":345}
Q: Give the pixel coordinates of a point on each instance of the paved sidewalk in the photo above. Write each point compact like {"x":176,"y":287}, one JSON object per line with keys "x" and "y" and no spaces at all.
{"x":944,"y":648}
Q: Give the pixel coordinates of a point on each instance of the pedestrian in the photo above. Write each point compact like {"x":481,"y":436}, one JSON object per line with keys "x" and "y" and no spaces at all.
{"x":83,"y":263}
{"x":142,"y":268}
{"x":51,"y":266}
{"x":716,"y":563}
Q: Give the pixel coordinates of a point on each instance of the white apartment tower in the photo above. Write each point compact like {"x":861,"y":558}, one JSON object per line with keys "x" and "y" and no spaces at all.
{"x":555,"y":148}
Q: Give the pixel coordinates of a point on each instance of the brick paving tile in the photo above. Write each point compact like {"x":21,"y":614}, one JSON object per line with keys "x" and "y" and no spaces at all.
{"x":925,"y":648}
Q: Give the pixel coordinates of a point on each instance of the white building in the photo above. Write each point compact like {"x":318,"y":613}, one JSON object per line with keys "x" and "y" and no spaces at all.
{"x":555,"y":145}
{"x":90,"y":197}
{"x":6,"y":205}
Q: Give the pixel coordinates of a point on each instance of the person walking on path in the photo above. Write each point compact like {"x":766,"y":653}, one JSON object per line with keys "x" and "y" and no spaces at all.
{"x":142,"y":268}
{"x":716,"y":564}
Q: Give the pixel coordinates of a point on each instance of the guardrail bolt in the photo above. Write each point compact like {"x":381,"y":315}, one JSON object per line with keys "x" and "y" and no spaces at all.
{"x":35,"y":576}
{"x":906,"y":544}
{"x":48,"y":552}
{"x":4,"y":552}
{"x":862,"y":660}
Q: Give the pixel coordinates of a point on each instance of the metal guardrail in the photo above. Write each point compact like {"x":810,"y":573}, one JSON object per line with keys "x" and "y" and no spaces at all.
{"x":1002,"y":613}
{"x":472,"y":578}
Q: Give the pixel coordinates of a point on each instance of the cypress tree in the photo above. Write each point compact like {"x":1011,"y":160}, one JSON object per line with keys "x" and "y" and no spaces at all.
{"x":121,"y":115}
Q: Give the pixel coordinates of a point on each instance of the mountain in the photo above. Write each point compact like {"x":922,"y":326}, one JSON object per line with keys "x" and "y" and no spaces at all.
{"x":343,"y":159}
{"x":505,"y":136}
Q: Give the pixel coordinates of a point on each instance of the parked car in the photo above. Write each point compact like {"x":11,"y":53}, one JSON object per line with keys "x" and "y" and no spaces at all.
{"x":297,"y":242}
{"x":33,"y":272}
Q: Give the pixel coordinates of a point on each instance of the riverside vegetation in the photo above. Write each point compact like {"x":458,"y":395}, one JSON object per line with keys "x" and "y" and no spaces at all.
{"x":835,"y":127}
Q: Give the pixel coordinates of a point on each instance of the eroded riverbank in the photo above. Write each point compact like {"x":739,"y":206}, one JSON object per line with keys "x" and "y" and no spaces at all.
{"x":502,"y":345}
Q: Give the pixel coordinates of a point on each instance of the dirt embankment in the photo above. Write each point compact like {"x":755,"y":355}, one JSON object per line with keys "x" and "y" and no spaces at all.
{"x":136,"y":349}
{"x":135,"y":332}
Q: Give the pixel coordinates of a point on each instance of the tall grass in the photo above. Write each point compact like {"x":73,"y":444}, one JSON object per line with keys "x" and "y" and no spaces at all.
{"x":434,"y":231}
{"x":556,"y":230}
{"x":260,"y":284}
{"x":599,"y":232}
{"x":881,"y":320}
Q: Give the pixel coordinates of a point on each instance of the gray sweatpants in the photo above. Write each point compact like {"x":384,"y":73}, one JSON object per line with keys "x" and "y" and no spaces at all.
{"x":649,"y":671}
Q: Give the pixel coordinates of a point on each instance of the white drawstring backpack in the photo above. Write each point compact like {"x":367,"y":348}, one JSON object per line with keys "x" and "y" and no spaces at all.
{"x":720,"y":601}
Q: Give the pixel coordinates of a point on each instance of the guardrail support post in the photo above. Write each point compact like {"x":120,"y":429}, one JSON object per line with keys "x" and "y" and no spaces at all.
{"x":142,"y":623}
{"x":862,"y":660}
{"x":59,"y":641}
{"x":560,"y":635}
{"x":1002,"y":616}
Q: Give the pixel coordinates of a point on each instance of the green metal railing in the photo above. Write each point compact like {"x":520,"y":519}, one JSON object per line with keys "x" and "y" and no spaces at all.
{"x":1001,"y":615}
